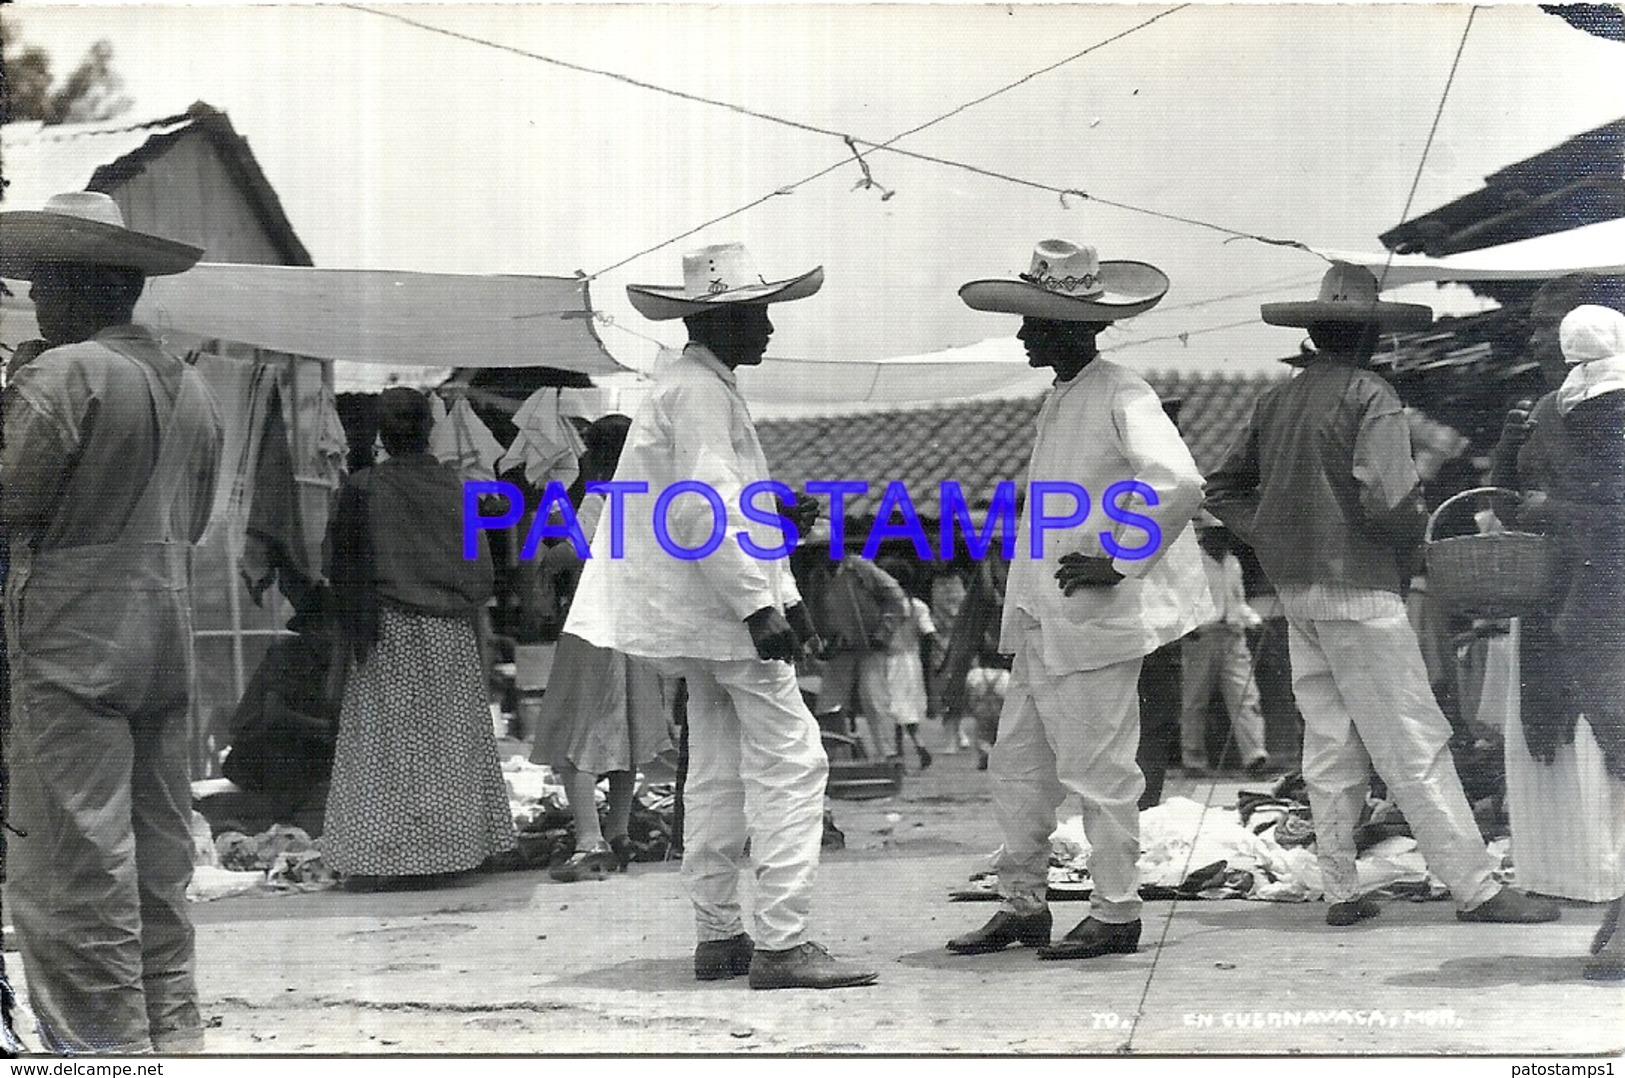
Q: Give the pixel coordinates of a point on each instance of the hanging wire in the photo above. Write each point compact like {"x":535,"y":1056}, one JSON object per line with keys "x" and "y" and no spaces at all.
{"x":788,"y":189}
{"x":1283,"y":284}
{"x":888,"y":145}
{"x":868,"y":177}
{"x":1433,"y":129}
{"x":741,"y":109}
{"x":606,"y":319}
{"x":1063,"y":192}
{"x":1181,"y":336}
{"x":1031,"y":75}
{"x":585,"y":70}
{"x":851,"y":141}
{"x":1156,"y":957}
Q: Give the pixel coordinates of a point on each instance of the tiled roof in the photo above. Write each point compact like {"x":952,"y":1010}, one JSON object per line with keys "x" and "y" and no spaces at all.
{"x":977,"y":443}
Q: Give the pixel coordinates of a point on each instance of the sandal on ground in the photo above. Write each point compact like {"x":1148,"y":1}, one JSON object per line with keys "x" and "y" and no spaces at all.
{"x":593,"y":864}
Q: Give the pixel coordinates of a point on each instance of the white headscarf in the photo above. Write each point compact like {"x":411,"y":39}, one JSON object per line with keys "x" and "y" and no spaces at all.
{"x":1593,"y":342}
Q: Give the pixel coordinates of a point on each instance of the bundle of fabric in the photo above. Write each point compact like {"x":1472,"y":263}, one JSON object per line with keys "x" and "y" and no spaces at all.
{"x":541,"y":814}
{"x":546,"y":829}
{"x":283,"y":731}
{"x":652,"y":823}
{"x":1191,"y":851}
{"x":282,"y":859}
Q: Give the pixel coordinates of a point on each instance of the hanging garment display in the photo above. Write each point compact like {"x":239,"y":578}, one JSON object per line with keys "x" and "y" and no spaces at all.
{"x":461,"y":439}
{"x":547,"y":445}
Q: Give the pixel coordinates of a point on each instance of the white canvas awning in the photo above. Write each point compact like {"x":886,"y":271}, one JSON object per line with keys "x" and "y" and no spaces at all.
{"x":991,"y":367}
{"x":372,"y":316}
{"x":1598,"y":248}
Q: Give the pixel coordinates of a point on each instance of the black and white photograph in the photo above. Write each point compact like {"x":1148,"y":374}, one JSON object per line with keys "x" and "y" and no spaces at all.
{"x":697,"y":532}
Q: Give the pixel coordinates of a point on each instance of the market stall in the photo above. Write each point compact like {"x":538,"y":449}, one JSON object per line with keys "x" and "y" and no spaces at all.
{"x":267,"y":338}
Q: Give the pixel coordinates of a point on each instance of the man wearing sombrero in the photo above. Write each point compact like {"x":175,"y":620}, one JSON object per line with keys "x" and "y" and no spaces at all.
{"x":108,"y":467}
{"x":1081,"y":618}
{"x":1323,"y":486}
{"x":691,"y":599}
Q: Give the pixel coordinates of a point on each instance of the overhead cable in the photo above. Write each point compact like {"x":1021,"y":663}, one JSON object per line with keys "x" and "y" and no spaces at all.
{"x":852,"y":141}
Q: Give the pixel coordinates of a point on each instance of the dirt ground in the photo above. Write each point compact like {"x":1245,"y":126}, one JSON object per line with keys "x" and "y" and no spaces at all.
{"x":517,"y":964}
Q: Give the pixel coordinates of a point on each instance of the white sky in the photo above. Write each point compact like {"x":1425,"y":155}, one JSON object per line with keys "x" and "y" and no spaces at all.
{"x":394,"y":147}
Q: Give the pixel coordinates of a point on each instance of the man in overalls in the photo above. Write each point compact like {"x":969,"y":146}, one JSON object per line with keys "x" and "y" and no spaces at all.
{"x":108,"y":468}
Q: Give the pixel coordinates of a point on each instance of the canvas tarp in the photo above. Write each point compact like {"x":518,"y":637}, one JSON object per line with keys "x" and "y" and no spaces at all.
{"x":996,"y":367}
{"x":1596,"y":248}
{"x":370,"y":316}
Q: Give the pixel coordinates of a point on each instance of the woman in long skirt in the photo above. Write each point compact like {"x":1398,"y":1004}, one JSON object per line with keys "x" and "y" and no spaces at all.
{"x":1566,"y":752}
{"x":417,"y":789}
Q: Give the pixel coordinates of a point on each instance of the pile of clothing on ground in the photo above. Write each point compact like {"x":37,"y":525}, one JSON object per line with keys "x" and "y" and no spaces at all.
{"x":286,"y":859}
{"x":1263,"y":849}
{"x":541,"y":816}
{"x":283,"y":859}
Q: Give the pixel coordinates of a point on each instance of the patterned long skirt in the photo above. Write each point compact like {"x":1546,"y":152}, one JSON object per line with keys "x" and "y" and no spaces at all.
{"x":417,"y":787}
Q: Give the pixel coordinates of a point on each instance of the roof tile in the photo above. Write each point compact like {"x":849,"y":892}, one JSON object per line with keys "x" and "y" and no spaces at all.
{"x":977,"y":443}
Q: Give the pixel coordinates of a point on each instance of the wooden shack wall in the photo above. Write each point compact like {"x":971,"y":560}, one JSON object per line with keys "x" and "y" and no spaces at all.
{"x":188,"y":193}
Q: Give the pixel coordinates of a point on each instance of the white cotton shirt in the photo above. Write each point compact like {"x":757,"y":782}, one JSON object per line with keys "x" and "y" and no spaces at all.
{"x":1104,"y":426}
{"x":1227,"y":586}
{"x":693,"y":426}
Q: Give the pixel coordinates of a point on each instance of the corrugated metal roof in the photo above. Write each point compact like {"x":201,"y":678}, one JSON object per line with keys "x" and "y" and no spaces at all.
{"x":43,"y":161}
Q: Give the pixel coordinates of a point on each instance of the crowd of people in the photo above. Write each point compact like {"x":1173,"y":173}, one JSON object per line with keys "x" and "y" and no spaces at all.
{"x":111,"y":448}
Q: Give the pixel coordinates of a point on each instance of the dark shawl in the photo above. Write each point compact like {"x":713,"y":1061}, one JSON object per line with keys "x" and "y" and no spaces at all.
{"x":397,"y":537}
{"x":1574,"y":661}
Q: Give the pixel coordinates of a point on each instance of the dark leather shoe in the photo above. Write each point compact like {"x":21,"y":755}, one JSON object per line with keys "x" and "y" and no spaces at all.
{"x":1510,"y":907}
{"x":1093,"y":938}
{"x":718,"y":960}
{"x":1004,"y":929}
{"x":1343,"y":914}
{"x":806,"y":966}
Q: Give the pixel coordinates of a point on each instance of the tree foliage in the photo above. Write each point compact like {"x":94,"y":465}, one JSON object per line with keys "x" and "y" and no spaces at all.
{"x":29,"y":90}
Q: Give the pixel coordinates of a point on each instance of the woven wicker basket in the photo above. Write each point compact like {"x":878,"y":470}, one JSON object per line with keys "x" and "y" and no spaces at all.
{"x":1505,"y":574}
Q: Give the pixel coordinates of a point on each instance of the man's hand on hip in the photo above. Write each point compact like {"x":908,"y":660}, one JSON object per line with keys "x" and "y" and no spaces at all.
{"x":801,"y":623}
{"x":772,"y":635}
{"x":1082,"y":571}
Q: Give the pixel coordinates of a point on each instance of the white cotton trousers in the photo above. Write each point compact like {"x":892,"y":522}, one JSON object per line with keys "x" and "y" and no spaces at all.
{"x":1069,"y":733}
{"x":756,"y":769}
{"x":1363,"y":689}
{"x":1218,"y":653}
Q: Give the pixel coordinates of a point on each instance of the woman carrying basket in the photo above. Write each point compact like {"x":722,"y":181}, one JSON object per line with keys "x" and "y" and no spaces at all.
{"x":1571,"y":467}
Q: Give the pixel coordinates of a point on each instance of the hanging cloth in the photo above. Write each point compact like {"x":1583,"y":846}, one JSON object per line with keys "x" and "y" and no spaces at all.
{"x":547,"y":445}
{"x":460,"y":439}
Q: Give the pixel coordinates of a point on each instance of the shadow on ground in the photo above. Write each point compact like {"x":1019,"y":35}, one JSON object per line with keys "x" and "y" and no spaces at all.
{"x":1488,"y":971}
{"x":645,"y":975}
